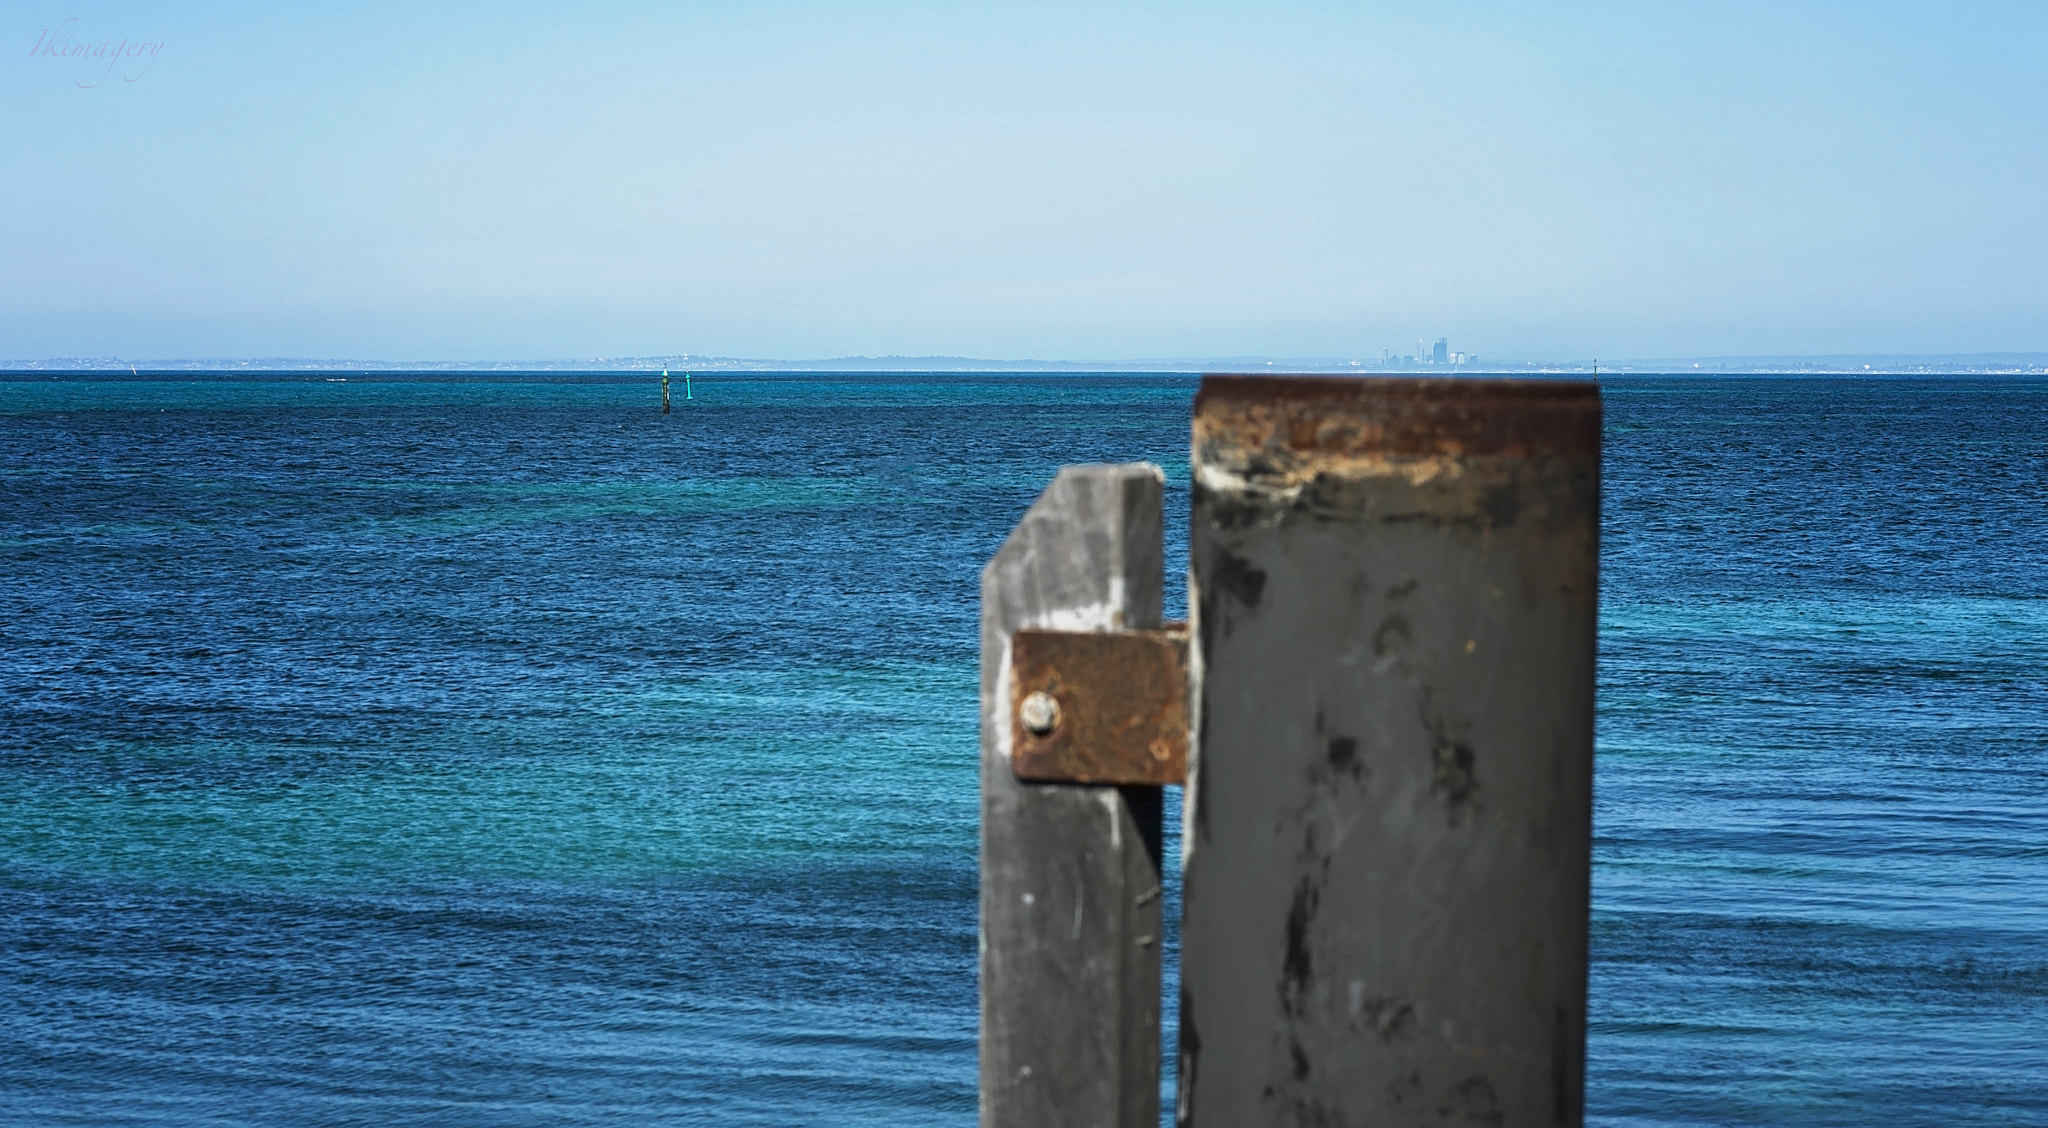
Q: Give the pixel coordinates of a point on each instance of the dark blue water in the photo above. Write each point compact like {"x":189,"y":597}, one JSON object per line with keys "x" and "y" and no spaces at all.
{"x":434,"y":750}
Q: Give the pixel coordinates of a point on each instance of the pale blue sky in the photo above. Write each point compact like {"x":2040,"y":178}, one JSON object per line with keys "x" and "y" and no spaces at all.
{"x":806,"y":180}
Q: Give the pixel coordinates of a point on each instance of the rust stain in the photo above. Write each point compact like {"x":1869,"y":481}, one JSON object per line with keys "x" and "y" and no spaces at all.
{"x":1464,"y":448}
{"x":1399,"y":418}
{"x":1123,"y":706}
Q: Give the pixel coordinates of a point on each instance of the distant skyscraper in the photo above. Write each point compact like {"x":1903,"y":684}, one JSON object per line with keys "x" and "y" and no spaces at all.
{"x":1441,"y":353}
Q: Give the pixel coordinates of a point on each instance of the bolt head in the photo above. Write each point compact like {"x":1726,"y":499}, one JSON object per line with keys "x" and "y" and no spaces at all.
{"x":1040,"y":714}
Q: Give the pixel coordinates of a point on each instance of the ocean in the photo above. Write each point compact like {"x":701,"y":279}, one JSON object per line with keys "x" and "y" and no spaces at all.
{"x":490,"y":749}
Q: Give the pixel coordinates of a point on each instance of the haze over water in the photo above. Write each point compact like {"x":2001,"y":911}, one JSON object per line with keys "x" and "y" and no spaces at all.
{"x":496,"y":750}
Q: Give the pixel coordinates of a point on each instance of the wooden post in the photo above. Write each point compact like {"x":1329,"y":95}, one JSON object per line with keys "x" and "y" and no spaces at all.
{"x":1390,"y":786}
{"x":1070,"y":894}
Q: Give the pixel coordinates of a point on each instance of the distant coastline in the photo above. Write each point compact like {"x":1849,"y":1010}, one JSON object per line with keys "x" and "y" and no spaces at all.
{"x":1844,"y":364}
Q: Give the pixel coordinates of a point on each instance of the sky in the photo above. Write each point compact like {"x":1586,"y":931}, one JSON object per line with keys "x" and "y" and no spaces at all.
{"x":1109,"y":181}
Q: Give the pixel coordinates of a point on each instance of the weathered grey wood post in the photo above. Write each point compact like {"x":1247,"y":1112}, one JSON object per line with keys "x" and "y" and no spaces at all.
{"x":1390,"y":786}
{"x":1070,"y":895}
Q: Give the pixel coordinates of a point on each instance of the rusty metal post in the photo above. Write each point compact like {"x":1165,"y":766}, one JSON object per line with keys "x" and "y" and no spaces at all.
{"x":1070,"y":894}
{"x":1390,"y":785}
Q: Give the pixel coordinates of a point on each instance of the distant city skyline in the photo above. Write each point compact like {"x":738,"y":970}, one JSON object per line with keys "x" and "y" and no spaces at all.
{"x":397,"y":182}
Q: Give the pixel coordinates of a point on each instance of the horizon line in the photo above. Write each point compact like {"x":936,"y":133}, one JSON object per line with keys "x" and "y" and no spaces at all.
{"x":1759,"y":364}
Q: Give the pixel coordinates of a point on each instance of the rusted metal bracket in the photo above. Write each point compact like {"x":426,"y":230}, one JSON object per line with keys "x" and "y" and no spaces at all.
{"x":1099,"y":707}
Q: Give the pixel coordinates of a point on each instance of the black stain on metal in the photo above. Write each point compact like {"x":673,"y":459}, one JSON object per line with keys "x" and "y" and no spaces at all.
{"x":1472,"y":1101}
{"x":1342,"y":752}
{"x":1340,"y":761}
{"x":1243,"y":580}
{"x":1228,"y":510}
{"x":1451,"y":777}
{"x":1299,"y":964}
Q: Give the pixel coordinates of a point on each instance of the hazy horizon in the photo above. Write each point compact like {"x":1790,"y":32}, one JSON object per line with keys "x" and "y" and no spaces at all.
{"x":1815,"y":364}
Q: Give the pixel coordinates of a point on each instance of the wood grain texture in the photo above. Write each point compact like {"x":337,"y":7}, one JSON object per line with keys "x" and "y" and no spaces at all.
{"x":1070,"y":893}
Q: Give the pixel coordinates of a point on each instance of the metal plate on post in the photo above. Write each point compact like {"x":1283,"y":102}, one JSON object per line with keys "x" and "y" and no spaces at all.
{"x":1102,"y":708}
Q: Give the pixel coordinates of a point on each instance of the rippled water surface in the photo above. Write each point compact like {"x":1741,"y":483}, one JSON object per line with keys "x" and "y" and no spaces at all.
{"x":495,"y":750}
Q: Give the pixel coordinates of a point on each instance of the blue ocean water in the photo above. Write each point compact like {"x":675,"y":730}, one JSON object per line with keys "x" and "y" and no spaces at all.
{"x":495,"y":750}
